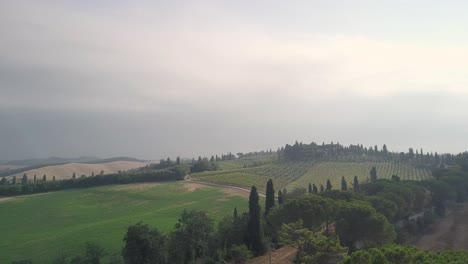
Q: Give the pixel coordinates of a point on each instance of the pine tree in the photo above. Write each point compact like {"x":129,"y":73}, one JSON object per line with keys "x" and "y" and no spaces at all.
{"x":256,"y":243}
{"x":314,"y":189}
{"x":321,"y":188}
{"x":356,"y":184}
{"x":280,"y":198}
{"x":270,"y":196}
{"x":329,"y":185}
{"x":310,"y":187}
{"x":344,"y":184}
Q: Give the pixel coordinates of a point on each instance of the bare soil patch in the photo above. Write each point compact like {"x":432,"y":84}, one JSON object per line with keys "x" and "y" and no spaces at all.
{"x":190,"y":186}
{"x":450,"y":233}
{"x":284,"y":255}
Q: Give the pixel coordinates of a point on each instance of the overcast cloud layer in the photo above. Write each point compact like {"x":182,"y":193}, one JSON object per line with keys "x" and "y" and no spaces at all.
{"x":154,"y":79}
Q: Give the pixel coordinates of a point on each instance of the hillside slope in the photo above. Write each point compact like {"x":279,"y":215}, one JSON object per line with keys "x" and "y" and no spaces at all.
{"x":66,"y":171}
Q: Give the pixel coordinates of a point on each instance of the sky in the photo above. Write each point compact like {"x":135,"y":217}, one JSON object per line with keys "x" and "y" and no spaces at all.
{"x":151,"y":79}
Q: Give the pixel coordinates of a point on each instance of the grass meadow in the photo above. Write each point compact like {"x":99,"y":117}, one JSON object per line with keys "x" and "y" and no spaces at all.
{"x":44,"y":227}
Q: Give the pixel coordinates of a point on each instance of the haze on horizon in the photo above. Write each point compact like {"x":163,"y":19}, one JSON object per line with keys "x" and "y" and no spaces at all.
{"x":164,"y":78}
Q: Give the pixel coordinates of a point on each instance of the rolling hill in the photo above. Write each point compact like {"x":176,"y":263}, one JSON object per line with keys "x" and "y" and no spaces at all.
{"x":65,"y":171}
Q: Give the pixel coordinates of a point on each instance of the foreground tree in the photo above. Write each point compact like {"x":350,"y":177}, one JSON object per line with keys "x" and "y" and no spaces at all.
{"x":313,"y":248}
{"x":356,"y":184}
{"x":270,"y":196}
{"x":344,"y":184}
{"x":254,"y":227}
{"x":144,"y":245}
{"x":329,"y":185}
{"x":190,"y":239}
{"x":280,"y":197}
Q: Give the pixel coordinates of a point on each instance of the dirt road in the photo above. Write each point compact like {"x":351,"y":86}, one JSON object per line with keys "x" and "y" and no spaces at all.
{"x":450,"y":233}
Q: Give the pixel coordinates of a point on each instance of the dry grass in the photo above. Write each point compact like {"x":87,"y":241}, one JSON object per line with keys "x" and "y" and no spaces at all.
{"x":9,"y":167}
{"x":66,"y":171}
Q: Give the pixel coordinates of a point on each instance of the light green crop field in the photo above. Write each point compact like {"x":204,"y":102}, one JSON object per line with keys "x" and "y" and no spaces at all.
{"x":281,"y":174}
{"x":44,"y":227}
{"x":320,"y":172}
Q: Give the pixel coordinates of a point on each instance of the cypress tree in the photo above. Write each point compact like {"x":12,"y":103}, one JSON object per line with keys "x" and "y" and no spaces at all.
{"x":178,"y":161}
{"x":344,"y":184}
{"x":321,"y":188}
{"x":44,"y":178}
{"x":24,"y":180}
{"x":314,"y":189}
{"x":34,"y":177}
{"x":53,"y":178}
{"x":280,"y":198}
{"x":356,"y":184}
{"x":255,"y":232}
{"x":235,"y":213}
{"x":14,"y":180}
{"x":270,"y":196}
{"x":373,"y":174}
{"x":329,"y":185}
{"x":74,"y":176}
{"x":310,"y":188}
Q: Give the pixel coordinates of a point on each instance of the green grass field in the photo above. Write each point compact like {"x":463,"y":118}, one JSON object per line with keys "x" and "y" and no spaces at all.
{"x":320,"y":172}
{"x":43,"y":227}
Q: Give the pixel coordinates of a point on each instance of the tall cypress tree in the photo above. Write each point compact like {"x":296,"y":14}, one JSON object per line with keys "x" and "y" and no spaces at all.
{"x":235,"y":213}
{"x":255,"y":232}
{"x":344,"y":184}
{"x":329,"y":185}
{"x":321,"y":188}
{"x":373,"y":174}
{"x":314,"y":189}
{"x":356,"y":184}
{"x":14,"y":180}
{"x":280,"y":197}
{"x":310,"y":187}
{"x":270,"y":196}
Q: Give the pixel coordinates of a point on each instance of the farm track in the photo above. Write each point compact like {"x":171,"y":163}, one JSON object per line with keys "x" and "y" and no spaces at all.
{"x":188,"y":179}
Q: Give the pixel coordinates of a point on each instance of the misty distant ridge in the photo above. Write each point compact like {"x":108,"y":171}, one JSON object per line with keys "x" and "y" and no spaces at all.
{"x":59,"y":160}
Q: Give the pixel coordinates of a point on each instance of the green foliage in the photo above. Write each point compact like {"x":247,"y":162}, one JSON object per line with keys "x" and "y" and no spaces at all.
{"x":358,"y":222}
{"x":239,"y":254}
{"x":270,"y":196}
{"x":144,"y":245}
{"x":254,"y":226}
{"x":190,"y":238}
{"x":396,"y":254}
{"x":312,"y":248}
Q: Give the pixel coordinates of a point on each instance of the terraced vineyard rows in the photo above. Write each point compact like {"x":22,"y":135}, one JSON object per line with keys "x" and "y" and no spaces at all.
{"x":320,"y":172}
{"x":281,"y":173}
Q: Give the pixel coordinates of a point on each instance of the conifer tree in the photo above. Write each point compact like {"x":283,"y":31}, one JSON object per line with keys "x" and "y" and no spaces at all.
{"x":314,"y":189}
{"x":53,"y":178}
{"x":178,"y":161}
{"x":310,"y":188}
{"x":44,"y":178}
{"x":235,"y":213}
{"x":280,"y":198}
{"x":329,"y":185}
{"x":344,"y":184}
{"x":34,"y":177}
{"x":255,"y":232}
{"x":321,"y":188}
{"x":14,"y":180}
{"x":356,"y":184}
{"x":270,"y":196}
{"x":373,"y":174}
{"x":24,"y":180}
{"x":74,"y":176}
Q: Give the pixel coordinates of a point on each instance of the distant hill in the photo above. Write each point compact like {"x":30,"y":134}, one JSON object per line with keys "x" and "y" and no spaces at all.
{"x":9,"y":168}
{"x":65,"y":171}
